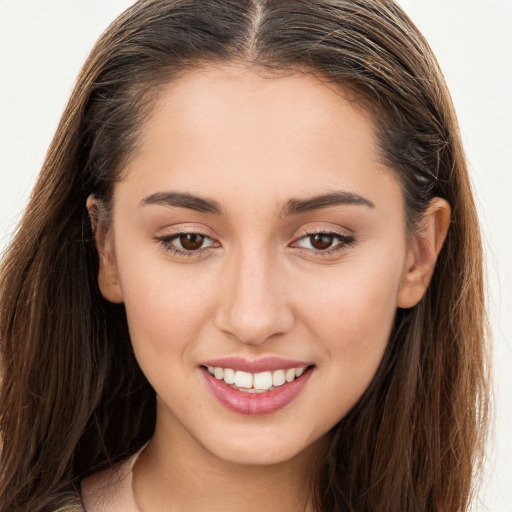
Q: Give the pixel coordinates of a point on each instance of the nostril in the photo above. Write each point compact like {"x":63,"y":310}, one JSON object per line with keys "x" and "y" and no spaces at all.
{"x":255,"y":327}
{"x":250,"y":304}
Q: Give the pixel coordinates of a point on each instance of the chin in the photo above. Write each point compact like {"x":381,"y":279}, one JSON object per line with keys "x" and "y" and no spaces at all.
{"x":261,"y":449}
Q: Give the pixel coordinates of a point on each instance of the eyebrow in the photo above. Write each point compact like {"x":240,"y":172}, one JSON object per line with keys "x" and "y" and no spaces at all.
{"x":183,"y":200}
{"x":292,"y":207}
{"x":299,"y":206}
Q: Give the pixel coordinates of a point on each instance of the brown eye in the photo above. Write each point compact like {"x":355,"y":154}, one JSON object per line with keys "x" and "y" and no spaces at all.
{"x":187,"y":244}
{"x":191,"y":241}
{"x":321,"y":241}
{"x":325,"y":243}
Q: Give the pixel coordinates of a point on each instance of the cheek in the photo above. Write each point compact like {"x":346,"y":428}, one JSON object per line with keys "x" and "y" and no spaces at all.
{"x":356,"y":313}
{"x":351,"y":322}
{"x":165,"y":322}
{"x":166,"y":308}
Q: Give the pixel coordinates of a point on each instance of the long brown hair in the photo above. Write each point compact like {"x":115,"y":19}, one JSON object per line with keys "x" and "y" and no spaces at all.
{"x":73,"y":399}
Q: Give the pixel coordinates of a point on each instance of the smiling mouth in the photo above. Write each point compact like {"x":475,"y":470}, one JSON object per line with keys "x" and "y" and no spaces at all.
{"x":255,"y":382}
{"x":267,"y":390}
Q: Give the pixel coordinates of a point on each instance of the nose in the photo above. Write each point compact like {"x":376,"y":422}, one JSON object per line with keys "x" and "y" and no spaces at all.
{"x":253,"y":301}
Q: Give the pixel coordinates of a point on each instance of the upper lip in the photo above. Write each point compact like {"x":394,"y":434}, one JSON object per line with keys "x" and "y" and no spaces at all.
{"x":255,"y":365}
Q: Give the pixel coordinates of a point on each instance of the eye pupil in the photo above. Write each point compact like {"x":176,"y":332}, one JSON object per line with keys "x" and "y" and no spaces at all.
{"x":321,"y":240}
{"x":191,"y":241}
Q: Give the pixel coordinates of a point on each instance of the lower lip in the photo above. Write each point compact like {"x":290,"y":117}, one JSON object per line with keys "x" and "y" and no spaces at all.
{"x":255,"y":404}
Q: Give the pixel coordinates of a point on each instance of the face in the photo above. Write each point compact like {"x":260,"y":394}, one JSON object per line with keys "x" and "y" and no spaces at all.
{"x":255,"y":235}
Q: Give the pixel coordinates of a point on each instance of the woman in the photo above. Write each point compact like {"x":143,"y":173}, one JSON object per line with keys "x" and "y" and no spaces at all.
{"x":250,"y":273}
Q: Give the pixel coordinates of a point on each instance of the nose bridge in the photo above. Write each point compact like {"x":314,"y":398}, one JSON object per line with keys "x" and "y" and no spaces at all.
{"x":253,"y":307}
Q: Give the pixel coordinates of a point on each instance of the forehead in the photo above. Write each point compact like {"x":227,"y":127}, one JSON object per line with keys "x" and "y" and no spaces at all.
{"x":223,"y":96}
{"x":226,"y":128}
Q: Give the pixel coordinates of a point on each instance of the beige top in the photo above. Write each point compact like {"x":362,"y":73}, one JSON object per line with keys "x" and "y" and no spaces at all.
{"x":110,"y":490}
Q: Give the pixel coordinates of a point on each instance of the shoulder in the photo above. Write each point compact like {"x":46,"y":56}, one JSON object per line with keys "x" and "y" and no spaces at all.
{"x":68,"y":501}
{"x":75,"y":507}
{"x":109,"y":490}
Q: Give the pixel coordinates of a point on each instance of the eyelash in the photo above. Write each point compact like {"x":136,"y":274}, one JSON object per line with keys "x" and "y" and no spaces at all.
{"x":344,"y":242}
{"x":166,"y":243}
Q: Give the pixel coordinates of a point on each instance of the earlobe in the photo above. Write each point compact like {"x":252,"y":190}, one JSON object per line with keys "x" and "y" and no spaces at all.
{"x":425,"y":246}
{"x":108,"y":280}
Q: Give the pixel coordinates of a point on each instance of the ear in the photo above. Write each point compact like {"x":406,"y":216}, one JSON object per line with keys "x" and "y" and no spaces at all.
{"x":425,"y":245}
{"x":108,"y":280}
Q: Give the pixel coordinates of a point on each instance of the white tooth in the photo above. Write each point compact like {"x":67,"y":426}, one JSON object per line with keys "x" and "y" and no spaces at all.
{"x":278,"y":378}
{"x":229,"y":376}
{"x":252,"y":390}
{"x":219,"y":373}
{"x":299,"y":371}
{"x":243,"y":379}
{"x":211,"y":370}
{"x":290,"y":374}
{"x":262,"y":380}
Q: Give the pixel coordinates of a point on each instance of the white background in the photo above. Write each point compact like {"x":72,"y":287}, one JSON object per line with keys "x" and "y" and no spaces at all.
{"x":44,"y":42}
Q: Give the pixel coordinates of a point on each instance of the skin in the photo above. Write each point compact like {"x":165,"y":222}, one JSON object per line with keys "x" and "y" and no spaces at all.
{"x":257,"y":287}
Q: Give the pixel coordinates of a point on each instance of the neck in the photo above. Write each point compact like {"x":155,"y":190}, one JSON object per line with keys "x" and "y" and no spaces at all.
{"x":176,"y":473}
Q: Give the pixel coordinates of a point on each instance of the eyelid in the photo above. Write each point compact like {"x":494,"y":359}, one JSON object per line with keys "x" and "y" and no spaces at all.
{"x":166,"y":239}
{"x":345,"y":241}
